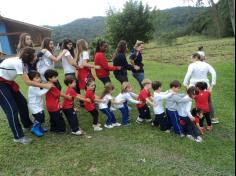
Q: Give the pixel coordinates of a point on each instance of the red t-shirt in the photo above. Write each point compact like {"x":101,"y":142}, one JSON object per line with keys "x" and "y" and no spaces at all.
{"x":142,"y":97}
{"x":68,"y":104}
{"x":202,"y":101}
{"x":100,"y":59}
{"x":89,"y":106}
{"x":53,"y":99}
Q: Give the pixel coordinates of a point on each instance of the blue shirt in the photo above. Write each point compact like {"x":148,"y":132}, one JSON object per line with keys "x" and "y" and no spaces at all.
{"x":137,"y":60}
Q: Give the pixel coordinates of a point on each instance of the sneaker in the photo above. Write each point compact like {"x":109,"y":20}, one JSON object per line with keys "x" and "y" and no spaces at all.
{"x":182,"y":135}
{"x":78,"y":132}
{"x":97,"y":128}
{"x":36,"y":130}
{"x":116,"y":124}
{"x":108,"y":126}
{"x":215,"y":121}
{"x":190,"y":137}
{"x":167,"y":131}
{"x":198,"y":139}
{"x":209,"y":128}
{"x":23,"y":140}
{"x":126,"y":125}
{"x":43,"y":130}
{"x":112,"y":108}
{"x":139,"y":120}
{"x":97,"y":125}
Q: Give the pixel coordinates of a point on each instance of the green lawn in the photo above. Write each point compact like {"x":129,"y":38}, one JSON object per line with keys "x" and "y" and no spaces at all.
{"x":120,"y":151}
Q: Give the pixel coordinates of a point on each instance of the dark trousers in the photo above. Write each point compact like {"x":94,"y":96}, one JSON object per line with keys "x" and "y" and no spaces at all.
{"x":110,"y":116}
{"x":13,"y":103}
{"x":94,"y":114}
{"x":57,"y":123}
{"x":144,"y":112}
{"x":72,"y":119}
{"x":39,"y":117}
{"x":139,"y":76}
{"x":162,"y":121}
{"x":105,"y":80}
{"x":207,"y":117}
{"x":211,"y":107}
{"x":125,"y":114}
{"x":121,"y":78}
{"x":175,"y":121}
{"x":189,"y":127}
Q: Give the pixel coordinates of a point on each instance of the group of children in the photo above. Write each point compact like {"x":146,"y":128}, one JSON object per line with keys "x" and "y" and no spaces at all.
{"x":177,"y":115}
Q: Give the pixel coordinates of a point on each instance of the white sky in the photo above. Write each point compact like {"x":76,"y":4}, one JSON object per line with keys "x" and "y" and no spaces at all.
{"x":58,"y":12}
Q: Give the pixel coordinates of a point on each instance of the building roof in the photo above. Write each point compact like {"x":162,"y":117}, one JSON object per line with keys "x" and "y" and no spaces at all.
{"x":23,"y":23}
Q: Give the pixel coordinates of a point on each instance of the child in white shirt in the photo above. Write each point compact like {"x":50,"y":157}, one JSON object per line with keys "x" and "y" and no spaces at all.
{"x":104,"y":107}
{"x":35,"y":98}
{"x":126,"y":95}
{"x":159,"y":111}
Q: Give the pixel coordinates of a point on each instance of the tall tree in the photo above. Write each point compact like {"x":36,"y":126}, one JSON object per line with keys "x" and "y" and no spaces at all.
{"x":231,"y":4}
{"x":131,"y":24}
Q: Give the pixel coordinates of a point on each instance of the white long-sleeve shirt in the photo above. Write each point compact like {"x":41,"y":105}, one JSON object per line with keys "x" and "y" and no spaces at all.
{"x":127,"y":96}
{"x":197,"y":72}
{"x":184,"y":107}
{"x":172,"y":101}
{"x":35,"y":99}
{"x":158,"y":100}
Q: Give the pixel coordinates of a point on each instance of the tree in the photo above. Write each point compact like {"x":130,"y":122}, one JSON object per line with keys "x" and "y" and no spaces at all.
{"x":131,"y":24}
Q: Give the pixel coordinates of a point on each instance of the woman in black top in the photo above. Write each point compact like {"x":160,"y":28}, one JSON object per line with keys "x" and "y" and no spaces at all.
{"x":119,"y":59}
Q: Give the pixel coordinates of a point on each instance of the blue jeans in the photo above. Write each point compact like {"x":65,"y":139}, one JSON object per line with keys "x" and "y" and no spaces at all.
{"x":110,"y":116}
{"x":175,"y":121}
{"x":13,"y":103}
{"x":139,"y":76}
{"x":125,"y":114}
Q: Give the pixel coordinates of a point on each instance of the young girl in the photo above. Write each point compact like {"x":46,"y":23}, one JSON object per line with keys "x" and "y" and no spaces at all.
{"x":68,"y":105}
{"x":198,"y":115}
{"x":82,"y":58}
{"x":46,"y":61}
{"x":90,"y":106}
{"x":104,"y":106}
{"x":36,"y":103}
{"x":184,"y":108}
{"x":125,"y":95}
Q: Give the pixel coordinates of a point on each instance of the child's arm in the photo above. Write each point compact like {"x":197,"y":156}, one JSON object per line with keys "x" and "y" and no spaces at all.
{"x":133,"y":95}
{"x":98,"y":100}
{"x":150,"y":102}
{"x":66,"y":96}
{"x":80,"y":97}
{"x":199,"y":128}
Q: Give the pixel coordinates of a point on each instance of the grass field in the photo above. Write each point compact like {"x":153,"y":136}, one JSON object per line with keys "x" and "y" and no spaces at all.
{"x":121,"y":151}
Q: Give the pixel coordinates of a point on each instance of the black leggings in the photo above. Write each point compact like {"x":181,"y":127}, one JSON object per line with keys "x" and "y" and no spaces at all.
{"x":94,"y":114}
{"x":206,"y":116}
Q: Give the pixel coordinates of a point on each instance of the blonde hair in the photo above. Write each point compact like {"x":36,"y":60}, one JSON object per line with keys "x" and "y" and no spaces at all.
{"x":146,"y":81}
{"x":124,"y":86}
{"x":138,"y":43}
{"x":81,"y":45}
{"x":107,"y":88}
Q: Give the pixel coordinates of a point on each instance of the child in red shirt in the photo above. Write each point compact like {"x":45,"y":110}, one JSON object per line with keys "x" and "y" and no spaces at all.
{"x":144,"y":95}
{"x":202,"y":103}
{"x":197,"y":114}
{"x":68,"y":105}
{"x":57,"y":123}
{"x":90,"y":106}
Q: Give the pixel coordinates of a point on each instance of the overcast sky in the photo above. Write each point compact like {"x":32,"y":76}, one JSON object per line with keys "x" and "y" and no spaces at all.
{"x":58,"y":12}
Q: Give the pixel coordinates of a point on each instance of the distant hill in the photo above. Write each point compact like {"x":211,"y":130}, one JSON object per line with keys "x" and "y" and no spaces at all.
{"x":86,"y":28}
{"x":90,"y":28}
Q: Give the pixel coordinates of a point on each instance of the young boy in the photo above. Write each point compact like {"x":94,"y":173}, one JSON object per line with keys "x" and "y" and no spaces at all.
{"x":171,"y":107}
{"x":35,"y":99}
{"x":57,"y":123}
{"x":184,"y":108}
{"x":198,"y":115}
{"x":68,"y":105}
{"x":144,"y":95}
{"x":159,"y":111}
{"x":202,"y":103}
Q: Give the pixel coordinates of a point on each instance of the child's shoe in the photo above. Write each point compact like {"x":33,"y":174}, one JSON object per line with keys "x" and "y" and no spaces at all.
{"x":190,"y":137}
{"x":97,"y":128}
{"x":116,"y":124}
{"x":209,"y":128}
{"x":23,"y":140}
{"x":97,"y":125}
{"x":215,"y":121}
{"x":182,"y":135}
{"x":198,"y":139}
{"x":148,"y":120}
{"x":36,"y":130}
{"x":108,"y":126}
{"x":78,"y":132}
{"x":139,"y":120}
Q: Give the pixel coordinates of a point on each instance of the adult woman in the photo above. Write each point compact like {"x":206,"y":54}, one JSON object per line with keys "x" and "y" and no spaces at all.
{"x":198,"y":72}
{"x":136,"y":60}
{"x":11,"y":99}
{"x":84,"y":68}
{"x":101,"y":60}
{"x":119,"y":59}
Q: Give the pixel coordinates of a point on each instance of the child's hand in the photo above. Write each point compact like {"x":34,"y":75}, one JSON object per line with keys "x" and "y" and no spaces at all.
{"x":68,"y":97}
{"x":87,"y":100}
{"x":97,"y":67}
{"x":192,"y":119}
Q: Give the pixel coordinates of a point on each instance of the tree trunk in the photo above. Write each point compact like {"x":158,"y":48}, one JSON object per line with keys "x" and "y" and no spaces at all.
{"x":231,"y":4}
